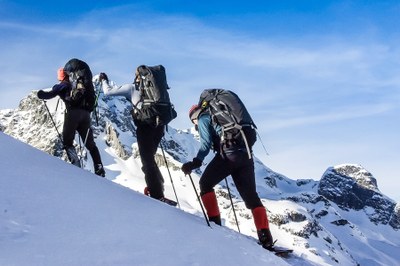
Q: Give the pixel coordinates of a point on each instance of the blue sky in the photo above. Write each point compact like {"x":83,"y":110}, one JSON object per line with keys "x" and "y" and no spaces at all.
{"x":321,"y":78}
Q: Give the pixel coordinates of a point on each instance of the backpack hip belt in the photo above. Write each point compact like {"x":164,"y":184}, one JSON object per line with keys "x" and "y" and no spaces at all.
{"x":150,"y":102}
{"x":240,"y":128}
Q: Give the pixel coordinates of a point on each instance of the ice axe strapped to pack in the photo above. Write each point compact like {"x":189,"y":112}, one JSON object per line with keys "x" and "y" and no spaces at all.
{"x":229,"y":112}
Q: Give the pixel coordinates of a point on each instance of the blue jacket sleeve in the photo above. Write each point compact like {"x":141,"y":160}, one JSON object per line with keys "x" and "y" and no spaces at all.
{"x":206,"y":132}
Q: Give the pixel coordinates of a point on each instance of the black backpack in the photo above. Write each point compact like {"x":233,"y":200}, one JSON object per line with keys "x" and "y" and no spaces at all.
{"x":228,"y":111}
{"x":82,"y":93}
{"x":157,"y":108}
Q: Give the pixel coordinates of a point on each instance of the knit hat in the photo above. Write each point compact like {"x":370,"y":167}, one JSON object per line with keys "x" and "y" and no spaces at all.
{"x":60,"y":74}
{"x":194,"y":112}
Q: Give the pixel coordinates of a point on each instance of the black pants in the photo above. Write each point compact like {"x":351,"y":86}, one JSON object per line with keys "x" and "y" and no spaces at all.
{"x":241,"y":168}
{"x":148,"y":139}
{"x":79,"y":120}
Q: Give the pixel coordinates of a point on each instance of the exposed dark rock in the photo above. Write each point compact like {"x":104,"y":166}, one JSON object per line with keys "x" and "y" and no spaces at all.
{"x":352,"y":187}
{"x":340,"y":222}
{"x":302,"y":182}
{"x":296,"y":216}
{"x":395,"y":219}
{"x":328,"y":239}
{"x":270,"y":181}
{"x":113,"y":141}
{"x":278,"y":219}
{"x":321,"y":214}
{"x":311,"y":228}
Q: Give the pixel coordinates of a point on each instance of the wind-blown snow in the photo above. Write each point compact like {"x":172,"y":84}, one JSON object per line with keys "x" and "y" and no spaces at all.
{"x":53,"y":213}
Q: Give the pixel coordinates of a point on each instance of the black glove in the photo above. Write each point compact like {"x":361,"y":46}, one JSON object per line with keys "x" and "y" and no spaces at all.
{"x":40,"y":94}
{"x":103,"y":76}
{"x":189,"y":166}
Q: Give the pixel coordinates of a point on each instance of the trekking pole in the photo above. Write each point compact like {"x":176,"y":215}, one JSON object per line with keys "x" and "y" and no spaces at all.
{"x":170,"y":177}
{"x":58,"y":101}
{"x":80,"y":152}
{"x":198,"y":198}
{"x":96,"y":108}
{"x":54,"y":123}
{"x":96,"y":116}
{"x":81,"y":148}
{"x":262,"y":143}
{"x":87,"y":134}
{"x":233,"y":207}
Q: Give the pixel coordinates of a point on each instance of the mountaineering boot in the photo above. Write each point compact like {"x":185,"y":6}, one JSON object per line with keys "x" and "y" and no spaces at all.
{"x":168,"y":201}
{"x":262,"y":225}
{"x":211,"y":204}
{"x":215,"y":219}
{"x":99,"y":170}
{"x":73,"y":156}
{"x":265,"y":238}
{"x":162,"y":199}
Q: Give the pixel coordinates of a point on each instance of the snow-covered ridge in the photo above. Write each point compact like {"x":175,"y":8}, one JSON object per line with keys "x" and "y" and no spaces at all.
{"x":326,"y":222}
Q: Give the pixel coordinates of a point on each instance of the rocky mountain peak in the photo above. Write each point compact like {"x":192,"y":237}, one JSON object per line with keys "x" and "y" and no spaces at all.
{"x":353,"y":187}
{"x":361,"y":176}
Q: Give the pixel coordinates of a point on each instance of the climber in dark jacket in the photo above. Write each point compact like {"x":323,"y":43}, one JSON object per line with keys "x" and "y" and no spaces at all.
{"x":227,"y":161}
{"x":76,"y":117}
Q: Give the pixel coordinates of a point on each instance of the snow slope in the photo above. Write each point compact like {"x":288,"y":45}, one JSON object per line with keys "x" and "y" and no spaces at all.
{"x":53,"y":213}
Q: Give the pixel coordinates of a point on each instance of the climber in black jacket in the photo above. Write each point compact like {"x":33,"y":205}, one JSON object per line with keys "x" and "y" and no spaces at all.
{"x":77,"y":115}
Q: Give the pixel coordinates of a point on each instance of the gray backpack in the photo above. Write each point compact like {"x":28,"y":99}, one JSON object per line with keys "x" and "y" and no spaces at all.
{"x":229,"y":112}
{"x":157,"y":108}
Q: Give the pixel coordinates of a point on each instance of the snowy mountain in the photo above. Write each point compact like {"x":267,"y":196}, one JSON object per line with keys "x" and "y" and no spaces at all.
{"x":341,"y":219}
{"x":53,"y":213}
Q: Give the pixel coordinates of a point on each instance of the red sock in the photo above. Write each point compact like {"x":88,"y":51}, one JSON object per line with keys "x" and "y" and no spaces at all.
{"x":260,"y":218}
{"x":210,"y":203}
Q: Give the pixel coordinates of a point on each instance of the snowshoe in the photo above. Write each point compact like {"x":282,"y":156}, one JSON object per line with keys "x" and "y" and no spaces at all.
{"x":278,"y":251}
{"x":168,"y":201}
{"x":163,"y":199}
